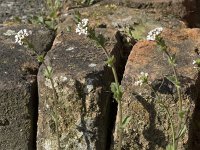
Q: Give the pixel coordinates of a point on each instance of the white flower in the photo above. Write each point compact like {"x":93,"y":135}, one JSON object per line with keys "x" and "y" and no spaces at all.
{"x":142,"y":79}
{"x":153,"y":33}
{"x":194,"y":62}
{"x":21,"y":35}
{"x":82,"y":27}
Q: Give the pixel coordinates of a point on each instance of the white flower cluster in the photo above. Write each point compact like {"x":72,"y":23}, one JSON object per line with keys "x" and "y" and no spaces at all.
{"x":82,"y":27}
{"x":21,"y":35}
{"x":142,"y":79}
{"x":194,"y":62}
{"x":153,"y":33}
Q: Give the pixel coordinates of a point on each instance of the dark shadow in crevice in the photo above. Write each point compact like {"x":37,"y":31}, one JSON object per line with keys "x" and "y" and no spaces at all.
{"x":122,"y":51}
{"x":33,"y":107}
{"x":34,"y":102}
{"x":192,"y":18}
{"x":194,"y":127}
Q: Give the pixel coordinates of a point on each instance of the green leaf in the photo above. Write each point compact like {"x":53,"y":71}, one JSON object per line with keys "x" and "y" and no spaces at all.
{"x":172,"y":60}
{"x":113,"y":87}
{"x":77,"y":16}
{"x":53,"y":14}
{"x":181,"y":114}
{"x":57,"y":4}
{"x":40,"y":19}
{"x":125,"y":121}
{"x":50,"y":24}
{"x":111,"y":61}
{"x":40,"y":58}
{"x":101,"y":40}
{"x":170,"y":147}
{"x":182,"y":132}
{"x":117,"y":91}
{"x":48,"y":72}
{"x":197,"y":61}
{"x":174,"y":81}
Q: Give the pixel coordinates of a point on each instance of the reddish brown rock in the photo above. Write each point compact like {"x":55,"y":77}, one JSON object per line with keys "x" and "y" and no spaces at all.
{"x":149,"y":127}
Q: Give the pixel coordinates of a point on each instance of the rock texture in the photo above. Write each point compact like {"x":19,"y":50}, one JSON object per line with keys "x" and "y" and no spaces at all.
{"x":82,"y":79}
{"x":149,"y":127}
{"x":179,"y":8}
{"x":117,"y":17}
{"x":82,"y":82}
{"x":18,"y":87}
{"x":20,"y":8}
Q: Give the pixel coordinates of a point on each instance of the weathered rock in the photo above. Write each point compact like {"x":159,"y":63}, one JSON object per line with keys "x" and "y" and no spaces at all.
{"x":149,"y":127}
{"x":179,"y":8}
{"x":20,"y":8}
{"x":18,"y":87}
{"x":118,"y":17}
{"x":82,"y":82}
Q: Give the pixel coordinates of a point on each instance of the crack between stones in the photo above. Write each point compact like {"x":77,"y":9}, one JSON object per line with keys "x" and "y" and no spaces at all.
{"x":35,"y":101}
{"x":124,"y":50}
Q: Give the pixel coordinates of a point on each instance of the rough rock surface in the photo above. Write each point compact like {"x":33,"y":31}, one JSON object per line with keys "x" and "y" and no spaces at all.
{"x":179,"y":8}
{"x":149,"y":127}
{"x":18,"y":87}
{"x":82,"y":82}
{"x":20,"y":8}
{"x":118,"y":17}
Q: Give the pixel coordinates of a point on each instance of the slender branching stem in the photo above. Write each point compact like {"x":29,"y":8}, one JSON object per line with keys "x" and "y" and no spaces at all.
{"x":120,"y":125}
{"x":118,"y":100}
{"x":180,"y":106}
{"x":179,"y":99}
{"x":55,"y":95}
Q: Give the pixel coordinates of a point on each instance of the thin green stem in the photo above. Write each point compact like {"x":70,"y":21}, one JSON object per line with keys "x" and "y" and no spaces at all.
{"x":180,"y":106}
{"x":120,"y":125}
{"x":118,"y":100}
{"x":55,"y":95}
{"x":179,"y":99}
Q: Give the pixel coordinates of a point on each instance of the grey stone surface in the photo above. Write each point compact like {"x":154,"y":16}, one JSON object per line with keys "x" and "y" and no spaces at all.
{"x":18,"y":87}
{"x":117,"y":17}
{"x":82,"y":82}
{"x":19,"y":8}
{"x":178,"y":8}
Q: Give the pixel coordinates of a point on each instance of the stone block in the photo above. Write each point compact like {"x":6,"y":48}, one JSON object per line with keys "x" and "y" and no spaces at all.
{"x":18,"y":87}
{"x":178,"y":8}
{"x":149,"y":127}
{"x":82,"y":81}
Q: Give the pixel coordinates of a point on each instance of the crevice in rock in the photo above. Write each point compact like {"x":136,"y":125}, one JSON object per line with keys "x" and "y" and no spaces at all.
{"x":192,"y":18}
{"x":124,"y":50}
{"x":35,"y":99}
{"x":34,"y":106}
